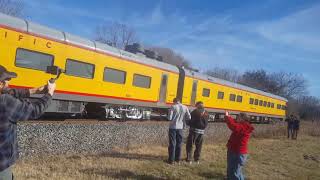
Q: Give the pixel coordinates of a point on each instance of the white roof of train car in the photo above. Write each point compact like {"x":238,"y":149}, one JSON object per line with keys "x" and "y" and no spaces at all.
{"x":37,"y":29}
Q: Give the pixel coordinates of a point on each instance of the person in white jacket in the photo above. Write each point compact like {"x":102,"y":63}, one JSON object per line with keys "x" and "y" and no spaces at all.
{"x":178,"y":115}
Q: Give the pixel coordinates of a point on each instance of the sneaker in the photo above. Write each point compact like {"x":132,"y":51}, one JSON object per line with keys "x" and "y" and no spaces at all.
{"x":197,"y":162}
{"x":189,"y":162}
{"x":169,"y":162}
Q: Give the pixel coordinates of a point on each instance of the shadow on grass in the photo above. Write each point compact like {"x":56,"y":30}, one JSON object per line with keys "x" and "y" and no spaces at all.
{"x":212,"y":175}
{"x":119,"y":174}
{"x":131,"y":156}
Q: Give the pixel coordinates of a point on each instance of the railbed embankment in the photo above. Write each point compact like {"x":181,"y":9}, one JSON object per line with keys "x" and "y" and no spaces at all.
{"x":91,"y":137}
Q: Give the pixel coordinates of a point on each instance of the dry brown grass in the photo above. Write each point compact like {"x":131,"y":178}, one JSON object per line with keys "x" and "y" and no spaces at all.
{"x":279,"y":129}
{"x":311,"y":128}
{"x":269,"y":159}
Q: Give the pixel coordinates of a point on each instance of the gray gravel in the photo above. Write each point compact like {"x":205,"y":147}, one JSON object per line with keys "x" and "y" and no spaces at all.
{"x":99,"y":137}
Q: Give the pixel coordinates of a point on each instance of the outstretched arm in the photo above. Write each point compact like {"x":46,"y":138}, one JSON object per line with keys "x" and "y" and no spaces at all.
{"x":19,"y":109}
{"x":232,"y":124}
{"x":24,"y":93}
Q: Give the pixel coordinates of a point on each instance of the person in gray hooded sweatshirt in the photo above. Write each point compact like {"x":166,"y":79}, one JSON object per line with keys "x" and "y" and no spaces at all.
{"x":178,"y":115}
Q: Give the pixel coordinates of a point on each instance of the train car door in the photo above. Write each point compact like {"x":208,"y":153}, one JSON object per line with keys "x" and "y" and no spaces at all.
{"x":194,"y":92}
{"x":163,"y":88}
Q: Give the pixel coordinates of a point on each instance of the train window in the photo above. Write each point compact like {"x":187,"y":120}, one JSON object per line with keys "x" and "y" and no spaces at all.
{"x":268,"y":105}
{"x":114,"y":76}
{"x":260,"y":102}
{"x":265,"y":103}
{"x":239,"y":98}
{"x":283,"y":107}
{"x":33,"y":60}
{"x":141,"y":81}
{"x":256,"y":102}
{"x":220,"y":95}
{"x":278,"y":106}
{"x":205,"y":92}
{"x":232,"y":97}
{"x":79,"y":69}
{"x":251,"y":101}
{"x":272,"y":105}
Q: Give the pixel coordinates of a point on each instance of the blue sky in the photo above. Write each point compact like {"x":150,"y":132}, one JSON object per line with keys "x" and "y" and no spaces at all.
{"x":276,"y":35}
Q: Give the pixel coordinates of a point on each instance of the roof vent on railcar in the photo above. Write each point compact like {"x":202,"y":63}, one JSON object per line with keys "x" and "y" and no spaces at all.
{"x":135,"y":48}
{"x":151,"y":54}
{"x":159,"y":58}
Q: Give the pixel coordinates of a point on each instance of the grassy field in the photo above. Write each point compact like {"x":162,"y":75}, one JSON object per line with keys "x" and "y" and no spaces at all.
{"x":276,"y":158}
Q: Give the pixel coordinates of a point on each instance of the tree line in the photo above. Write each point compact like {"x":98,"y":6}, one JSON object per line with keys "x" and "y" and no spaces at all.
{"x":292,"y":86}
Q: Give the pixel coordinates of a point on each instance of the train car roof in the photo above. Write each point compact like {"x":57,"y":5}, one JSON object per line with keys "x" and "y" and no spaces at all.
{"x":231,"y":84}
{"x":43,"y":31}
{"x":60,"y":36}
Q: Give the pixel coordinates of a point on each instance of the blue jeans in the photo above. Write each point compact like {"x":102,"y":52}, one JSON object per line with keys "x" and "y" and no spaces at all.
{"x":6,"y":174}
{"x":235,"y":163}
{"x":175,"y":143}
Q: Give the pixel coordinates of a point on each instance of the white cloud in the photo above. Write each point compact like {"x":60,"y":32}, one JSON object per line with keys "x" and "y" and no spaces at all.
{"x":300,"y":29}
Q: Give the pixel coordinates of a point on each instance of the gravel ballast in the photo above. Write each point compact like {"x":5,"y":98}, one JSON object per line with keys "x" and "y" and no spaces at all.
{"x":99,"y":137}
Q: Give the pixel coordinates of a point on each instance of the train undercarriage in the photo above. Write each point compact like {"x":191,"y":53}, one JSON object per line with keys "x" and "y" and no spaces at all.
{"x":104,"y":111}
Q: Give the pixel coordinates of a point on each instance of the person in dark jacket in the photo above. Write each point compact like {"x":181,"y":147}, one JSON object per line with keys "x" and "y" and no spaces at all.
{"x":290,"y":121}
{"x":14,"y":108}
{"x":198,"y":123}
{"x":237,"y":145}
{"x":295,"y":127}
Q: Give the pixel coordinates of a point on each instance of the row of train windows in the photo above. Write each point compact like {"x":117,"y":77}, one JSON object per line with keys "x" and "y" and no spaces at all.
{"x":238,"y":98}
{"x":265,"y":104}
{"x":261,"y":103}
{"x":39,"y":61}
{"x":232,"y":97}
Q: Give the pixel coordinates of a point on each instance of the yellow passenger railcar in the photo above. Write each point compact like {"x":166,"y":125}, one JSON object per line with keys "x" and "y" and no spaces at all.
{"x":103,"y":80}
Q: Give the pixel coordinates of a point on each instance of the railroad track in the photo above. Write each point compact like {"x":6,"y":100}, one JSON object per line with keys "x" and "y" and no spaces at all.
{"x":91,"y":121}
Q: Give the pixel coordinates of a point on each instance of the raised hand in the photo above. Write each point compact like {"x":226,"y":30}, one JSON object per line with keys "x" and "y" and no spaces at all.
{"x":51,"y":88}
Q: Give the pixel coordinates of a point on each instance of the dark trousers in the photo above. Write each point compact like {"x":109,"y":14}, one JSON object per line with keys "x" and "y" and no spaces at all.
{"x":175,"y":143}
{"x":290,"y":132}
{"x":197,"y":140}
{"x":295,"y":133}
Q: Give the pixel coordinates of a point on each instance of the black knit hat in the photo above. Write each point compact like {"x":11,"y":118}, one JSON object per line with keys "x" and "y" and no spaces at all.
{"x":5,"y":74}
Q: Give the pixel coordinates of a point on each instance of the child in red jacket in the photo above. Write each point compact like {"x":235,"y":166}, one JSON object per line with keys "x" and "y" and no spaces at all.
{"x":237,"y":144}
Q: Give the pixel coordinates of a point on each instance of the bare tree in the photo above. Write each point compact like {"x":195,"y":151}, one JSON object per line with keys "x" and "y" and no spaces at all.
{"x":289,"y":85}
{"x":225,"y":73}
{"x":171,"y":57}
{"x":116,"y":34}
{"x":12,"y":7}
{"x":258,"y":79}
{"x":308,"y":107}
